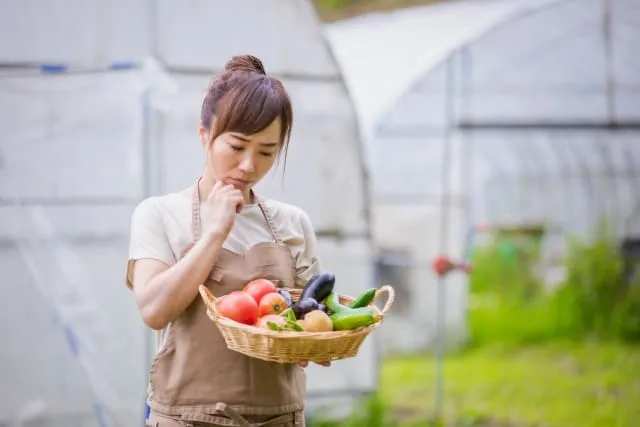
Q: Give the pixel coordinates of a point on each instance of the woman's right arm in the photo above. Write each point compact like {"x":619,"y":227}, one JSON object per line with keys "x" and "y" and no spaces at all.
{"x":163,"y":292}
{"x":164,"y":288}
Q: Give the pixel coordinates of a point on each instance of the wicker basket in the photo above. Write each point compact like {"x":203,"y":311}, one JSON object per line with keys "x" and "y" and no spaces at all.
{"x":292,"y":346}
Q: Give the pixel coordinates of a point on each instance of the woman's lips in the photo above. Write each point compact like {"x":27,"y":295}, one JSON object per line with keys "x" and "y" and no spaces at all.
{"x":237,"y":182}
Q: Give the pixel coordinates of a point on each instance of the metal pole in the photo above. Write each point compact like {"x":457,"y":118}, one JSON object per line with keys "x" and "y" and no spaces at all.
{"x":148,"y":186}
{"x":444,"y":234}
{"x":608,"y":53}
{"x":466,"y":148}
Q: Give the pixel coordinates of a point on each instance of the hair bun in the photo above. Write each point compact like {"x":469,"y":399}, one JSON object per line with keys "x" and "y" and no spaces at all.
{"x":245,"y":63}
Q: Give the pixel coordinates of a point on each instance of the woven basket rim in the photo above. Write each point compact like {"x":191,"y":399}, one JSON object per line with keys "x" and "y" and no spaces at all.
{"x":211,"y":301}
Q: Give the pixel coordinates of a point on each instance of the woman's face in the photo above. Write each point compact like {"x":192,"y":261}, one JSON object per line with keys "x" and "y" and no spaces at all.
{"x":242,"y":160}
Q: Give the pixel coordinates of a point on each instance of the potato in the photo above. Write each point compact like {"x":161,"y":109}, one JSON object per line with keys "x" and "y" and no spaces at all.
{"x":317,"y":321}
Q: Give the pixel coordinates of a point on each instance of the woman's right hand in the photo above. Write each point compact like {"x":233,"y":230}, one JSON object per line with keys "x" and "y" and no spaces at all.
{"x":223,"y":204}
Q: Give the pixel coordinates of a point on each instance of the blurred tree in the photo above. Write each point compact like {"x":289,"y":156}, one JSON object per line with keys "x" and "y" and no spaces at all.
{"x":335,"y":10}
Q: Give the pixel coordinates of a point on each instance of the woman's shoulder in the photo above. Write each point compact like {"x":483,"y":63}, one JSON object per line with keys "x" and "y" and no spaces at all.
{"x":163,"y":204}
{"x":293,"y":224}
{"x":296,"y":229}
{"x":287,"y":213}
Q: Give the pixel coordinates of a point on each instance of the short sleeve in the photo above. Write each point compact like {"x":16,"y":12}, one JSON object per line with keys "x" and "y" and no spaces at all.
{"x":148,"y":238}
{"x":307,"y":261}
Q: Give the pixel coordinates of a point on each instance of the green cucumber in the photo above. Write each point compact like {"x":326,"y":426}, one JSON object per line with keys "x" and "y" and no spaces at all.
{"x":352,"y":318}
{"x":333,"y":303}
{"x":364,"y":299}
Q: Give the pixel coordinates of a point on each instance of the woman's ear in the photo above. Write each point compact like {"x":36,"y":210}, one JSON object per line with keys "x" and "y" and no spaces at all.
{"x":203,"y":132}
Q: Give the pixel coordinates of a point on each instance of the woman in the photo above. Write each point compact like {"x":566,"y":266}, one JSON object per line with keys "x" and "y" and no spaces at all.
{"x":219,"y":232}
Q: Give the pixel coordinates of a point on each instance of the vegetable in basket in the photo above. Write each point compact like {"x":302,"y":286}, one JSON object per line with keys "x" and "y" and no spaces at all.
{"x":319,"y":286}
{"x":239,"y":306}
{"x":258,"y":288}
{"x":347,"y":317}
{"x":364,"y":299}
{"x":314,"y":292}
{"x":317,"y":321}
{"x":304,"y":306}
{"x":287,"y":296}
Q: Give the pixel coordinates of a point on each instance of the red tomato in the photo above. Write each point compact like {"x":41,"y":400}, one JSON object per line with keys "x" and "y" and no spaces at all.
{"x":272,"y":303}
{"x":239,"y":306}
{"x":259,"y":288}
{"x":275,"y":318}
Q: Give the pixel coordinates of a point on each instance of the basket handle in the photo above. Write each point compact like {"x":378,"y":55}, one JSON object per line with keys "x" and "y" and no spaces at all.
{"x":391,"y":294}
{"x":209,"y":300}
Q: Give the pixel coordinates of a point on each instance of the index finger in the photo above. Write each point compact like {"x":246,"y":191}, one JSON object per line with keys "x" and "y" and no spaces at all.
{"x":216,"y":186}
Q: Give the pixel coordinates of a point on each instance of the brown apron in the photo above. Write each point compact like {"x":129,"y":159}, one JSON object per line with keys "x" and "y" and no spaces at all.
{"x":196,"y":381}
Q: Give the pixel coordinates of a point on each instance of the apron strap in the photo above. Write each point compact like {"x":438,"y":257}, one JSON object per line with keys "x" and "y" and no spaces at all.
{"x":234,"y":419}
{"x":231,"y":413}
{"x":270,"y":222}
{"x":196,"y":226}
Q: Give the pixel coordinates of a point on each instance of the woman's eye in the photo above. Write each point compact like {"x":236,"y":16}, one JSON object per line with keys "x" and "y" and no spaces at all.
{"x":267,"y":154}
{"x":236,"y":148}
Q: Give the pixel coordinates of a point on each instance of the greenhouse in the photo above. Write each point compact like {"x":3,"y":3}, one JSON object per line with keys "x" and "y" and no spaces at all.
{"x":512,"y":115}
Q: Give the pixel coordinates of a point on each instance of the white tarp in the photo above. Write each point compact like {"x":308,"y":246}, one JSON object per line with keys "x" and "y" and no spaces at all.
{"x":87,"y":33}
{"x":70,"y":177}
{"x":202,"y":35}
{"x":381,"y":55}
{"x":71,"y":136}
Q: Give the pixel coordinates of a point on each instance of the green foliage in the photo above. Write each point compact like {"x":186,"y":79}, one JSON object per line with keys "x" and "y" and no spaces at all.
{"x":595,"y":299}
{"x":336,"y":4}
{"x":540,"y":356}
{"x":510,"y":303}
{"x":586,"y":384}
{"x":506,"y":268}
{"x":372,"y":413}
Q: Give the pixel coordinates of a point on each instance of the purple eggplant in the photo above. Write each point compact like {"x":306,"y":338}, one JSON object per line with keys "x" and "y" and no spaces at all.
{"x":304,"y":306}
{"x":286,"y":295}
{"x":319,"y":286}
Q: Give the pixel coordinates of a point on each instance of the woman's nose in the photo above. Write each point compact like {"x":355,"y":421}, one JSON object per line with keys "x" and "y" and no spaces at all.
{"x":247,"y":164}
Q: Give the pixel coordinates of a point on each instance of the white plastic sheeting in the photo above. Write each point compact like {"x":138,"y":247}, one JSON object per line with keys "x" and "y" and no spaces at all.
{"x":383,"y":54}
{"x":113,"y":119}
{"x":70,"y":177}
{"x":86,"y":33}
{"x":504,"y":112}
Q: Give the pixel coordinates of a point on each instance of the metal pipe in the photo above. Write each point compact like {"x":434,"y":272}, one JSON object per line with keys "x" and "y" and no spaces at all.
{"x":608,"y":53}
{"x":444,"y":232}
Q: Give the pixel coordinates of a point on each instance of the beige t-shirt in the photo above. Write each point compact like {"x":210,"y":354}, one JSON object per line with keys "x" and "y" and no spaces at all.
{"x":161,"y":228}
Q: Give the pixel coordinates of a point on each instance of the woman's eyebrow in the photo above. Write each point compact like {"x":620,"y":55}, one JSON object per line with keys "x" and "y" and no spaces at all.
{"x":245,"y":139}
{"x":240,"y":137}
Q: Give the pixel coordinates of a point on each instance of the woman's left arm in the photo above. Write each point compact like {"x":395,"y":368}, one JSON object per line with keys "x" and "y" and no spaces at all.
{"x":307,"y":259}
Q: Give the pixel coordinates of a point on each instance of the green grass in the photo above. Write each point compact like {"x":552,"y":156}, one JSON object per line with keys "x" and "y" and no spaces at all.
{"x":552,"y":385}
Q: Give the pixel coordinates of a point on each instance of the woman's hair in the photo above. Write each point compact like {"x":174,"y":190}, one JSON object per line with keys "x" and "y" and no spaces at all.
{"x":244,"y":99}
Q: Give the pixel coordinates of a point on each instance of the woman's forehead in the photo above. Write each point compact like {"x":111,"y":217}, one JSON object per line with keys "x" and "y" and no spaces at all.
{"x":269,"y":135}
